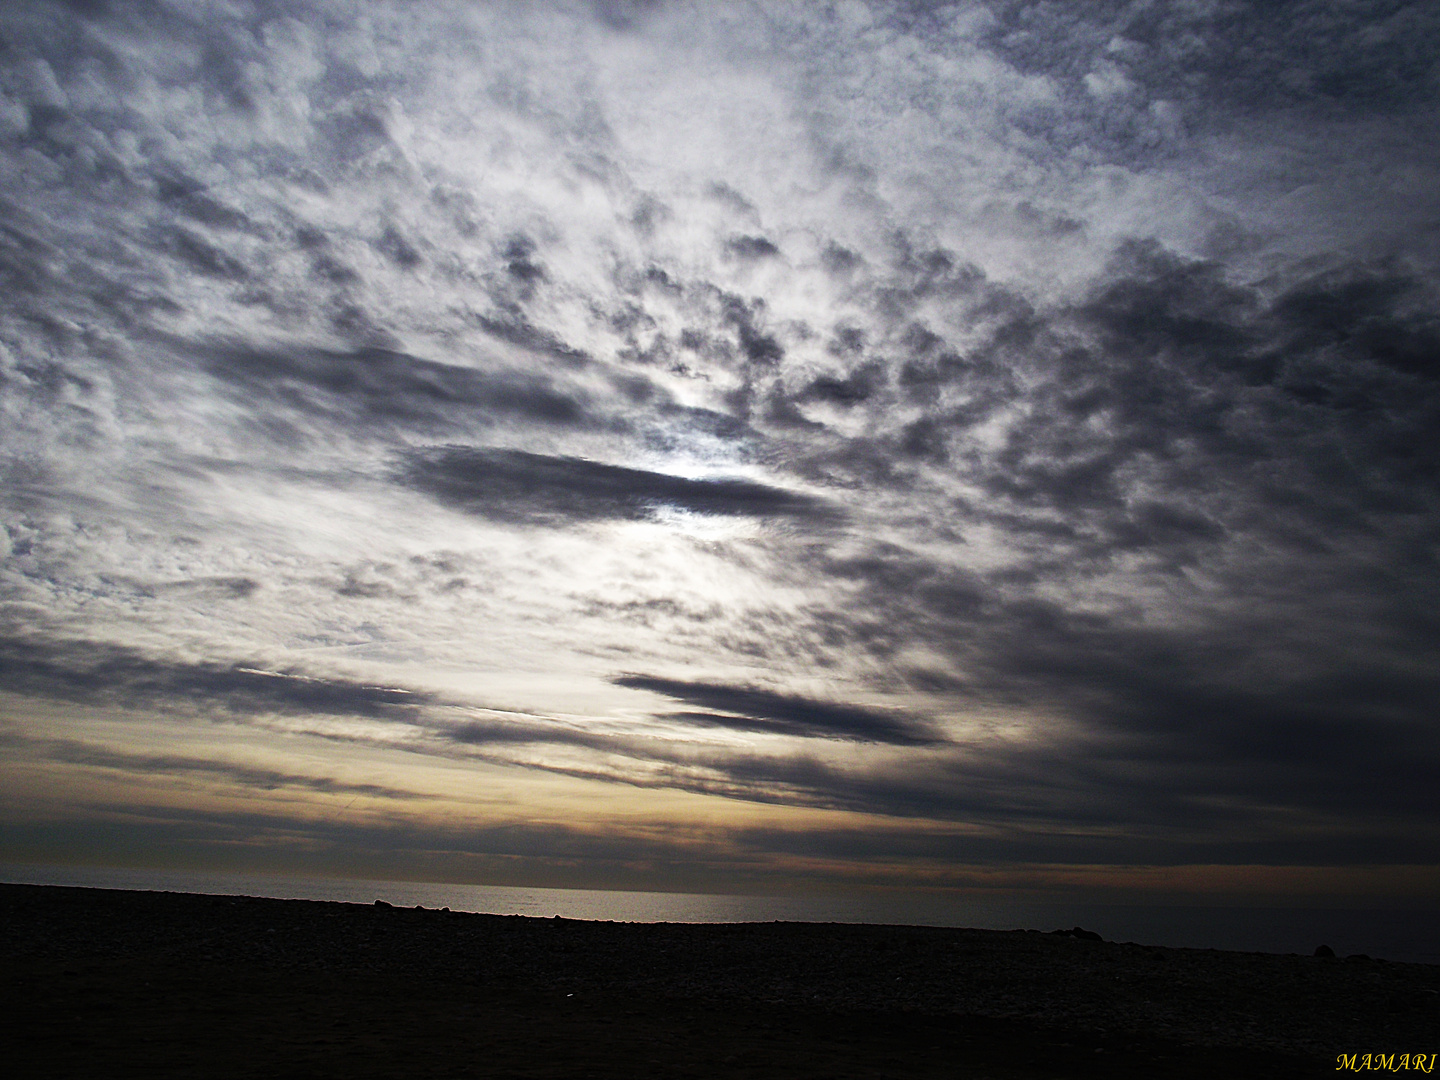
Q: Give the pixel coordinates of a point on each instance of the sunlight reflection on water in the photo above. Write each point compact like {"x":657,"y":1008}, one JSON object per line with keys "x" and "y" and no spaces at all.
{"x":1395,"y":934}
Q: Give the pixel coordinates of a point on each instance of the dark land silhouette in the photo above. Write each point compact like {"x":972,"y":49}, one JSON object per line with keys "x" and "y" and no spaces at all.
{"x":106,"y":983}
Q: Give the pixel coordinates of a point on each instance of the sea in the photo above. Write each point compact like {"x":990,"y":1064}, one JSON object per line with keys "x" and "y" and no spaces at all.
{"x":1399,"y":934}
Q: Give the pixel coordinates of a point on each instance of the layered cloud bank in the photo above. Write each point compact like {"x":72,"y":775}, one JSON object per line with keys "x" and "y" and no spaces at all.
{"x":688,"y":444}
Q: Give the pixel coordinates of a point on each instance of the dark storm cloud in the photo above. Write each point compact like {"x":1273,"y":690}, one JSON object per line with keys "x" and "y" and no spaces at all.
{"x":368,"y":387}
{"x":1137,"y":84}
{"x":1370,"y":56}
{"x":517,"y":486}
{"x":103,"y":674}
{"x":1171,"y":418}
{"x":1122,"y":800}
{"x":1210,"y":394}
{"x":1170,"y":724}
{"x":1188,"y":697}
{"x":1025,"y":789}
{"x":764,"y":710}
{"x":1379,"y":314}
{"x":1329,"y":380}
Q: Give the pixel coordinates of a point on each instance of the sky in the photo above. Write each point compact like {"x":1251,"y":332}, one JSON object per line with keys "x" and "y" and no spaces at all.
{"x":725,"y":447}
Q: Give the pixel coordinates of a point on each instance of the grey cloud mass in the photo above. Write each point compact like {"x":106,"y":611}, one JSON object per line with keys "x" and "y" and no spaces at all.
{"x":1016,"y":418}
{"x":517,"y":485}
{"x":369,"y":389}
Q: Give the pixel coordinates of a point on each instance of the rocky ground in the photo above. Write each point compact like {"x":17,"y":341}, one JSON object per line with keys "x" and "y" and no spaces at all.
{"x":109,"y":983}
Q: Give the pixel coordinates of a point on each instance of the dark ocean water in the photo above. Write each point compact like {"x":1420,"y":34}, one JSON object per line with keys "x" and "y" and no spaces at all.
{"x":1406,"y":934}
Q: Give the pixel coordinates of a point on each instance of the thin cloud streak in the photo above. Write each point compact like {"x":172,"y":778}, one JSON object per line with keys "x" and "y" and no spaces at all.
{"x":148,"y":766}
{"x":764,"y":710}
{"x":100,"y":673}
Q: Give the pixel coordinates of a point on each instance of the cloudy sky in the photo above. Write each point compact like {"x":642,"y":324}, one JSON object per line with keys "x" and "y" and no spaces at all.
{"x":725,"y":446}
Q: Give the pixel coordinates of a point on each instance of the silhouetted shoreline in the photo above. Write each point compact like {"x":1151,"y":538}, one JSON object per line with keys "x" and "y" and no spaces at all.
{"x":158,"y":984}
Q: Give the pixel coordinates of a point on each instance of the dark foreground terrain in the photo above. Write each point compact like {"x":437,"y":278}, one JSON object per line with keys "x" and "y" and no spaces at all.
{"x":101,"y":983}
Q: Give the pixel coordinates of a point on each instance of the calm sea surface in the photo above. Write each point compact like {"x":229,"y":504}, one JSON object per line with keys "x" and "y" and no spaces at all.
{"x":1409,"y":935}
